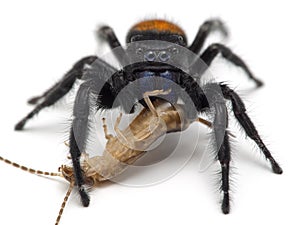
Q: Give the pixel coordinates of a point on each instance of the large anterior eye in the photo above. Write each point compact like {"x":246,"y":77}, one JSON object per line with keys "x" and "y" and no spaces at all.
{"x":164,"y":56}
{"x":150,"y":56}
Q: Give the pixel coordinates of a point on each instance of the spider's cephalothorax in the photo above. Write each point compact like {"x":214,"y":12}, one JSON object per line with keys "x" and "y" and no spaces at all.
{"x":154,"y":64}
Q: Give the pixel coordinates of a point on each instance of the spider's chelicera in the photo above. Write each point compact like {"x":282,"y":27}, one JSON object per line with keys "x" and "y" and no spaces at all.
{"x":157,"y":61}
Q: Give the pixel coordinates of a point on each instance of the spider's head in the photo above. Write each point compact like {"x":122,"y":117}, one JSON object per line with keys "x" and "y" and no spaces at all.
{"x":157,"y":30}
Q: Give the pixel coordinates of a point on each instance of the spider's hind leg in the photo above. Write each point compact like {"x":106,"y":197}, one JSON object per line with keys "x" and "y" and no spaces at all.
{"x":109,"y":35}
{"x":239,"y":110}
{"x":75,"y":71}
{"x":213,"y":50}
{"x":207,"y":28}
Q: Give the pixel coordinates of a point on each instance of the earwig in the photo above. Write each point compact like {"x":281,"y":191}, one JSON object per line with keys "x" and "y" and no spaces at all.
{"x":127,"y":146}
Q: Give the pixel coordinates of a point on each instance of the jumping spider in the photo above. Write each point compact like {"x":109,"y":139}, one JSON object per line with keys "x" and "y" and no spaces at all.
{"x":154,"y":64}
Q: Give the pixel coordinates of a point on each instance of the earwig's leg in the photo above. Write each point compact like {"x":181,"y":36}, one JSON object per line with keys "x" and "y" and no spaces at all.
{"x":146,"y":96}
{"x":213,"y":50}
{"x":107,"y":135}
{"x":209,"y":124}
{"x":239,"y":110}
{"x":109,"y":35}
{"x":59,"y":90}
{"x":203,"y":32}
{"x":205,"y":122}
{"x":67,"y":143}
{"x":116,"y":126}
{"x":125,"y":140}
{"x":120,"y":134}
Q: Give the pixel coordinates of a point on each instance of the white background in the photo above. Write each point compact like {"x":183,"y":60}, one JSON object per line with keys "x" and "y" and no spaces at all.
{"x":40,"y":41}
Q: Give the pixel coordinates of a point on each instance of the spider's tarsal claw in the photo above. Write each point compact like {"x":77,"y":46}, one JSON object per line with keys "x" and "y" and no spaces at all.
{"x":20,"y":125}
{"x":225,"y":204}
{"x":33,"y":100}
{"x":259,"y":83}
{"x":85,"y":199}
{"x":276,"y":168}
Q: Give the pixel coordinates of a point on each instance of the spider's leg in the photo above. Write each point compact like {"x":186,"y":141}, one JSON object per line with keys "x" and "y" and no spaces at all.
{"x":203,"y":32}
{"x":109,"y":35}
{"x":224,"y":159}
{"x":58,"y":91}
{"x":83,"y":107}
{"x":213,"y":50}
{"x":222,"y":145}
{"x":78,"y":136}
{"x":76,"y":71}
{"x":244,"y":120}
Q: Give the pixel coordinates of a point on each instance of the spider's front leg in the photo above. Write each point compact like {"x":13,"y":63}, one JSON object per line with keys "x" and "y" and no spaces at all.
{"x":56,"y":92}
{"x":221,"y":140}
{"x":75,"y":71}
{"x":95,"y":84}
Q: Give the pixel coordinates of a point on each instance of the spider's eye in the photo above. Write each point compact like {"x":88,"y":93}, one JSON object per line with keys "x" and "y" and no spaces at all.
{"x":150,"y":56}
{"x":175,"y":51}
{"x":180,"y":38}
{"x":164,"y":56}
{"x":139,"y":51}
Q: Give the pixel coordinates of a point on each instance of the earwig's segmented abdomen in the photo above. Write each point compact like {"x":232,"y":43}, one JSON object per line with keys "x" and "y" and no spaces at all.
{"x":131,"y":143}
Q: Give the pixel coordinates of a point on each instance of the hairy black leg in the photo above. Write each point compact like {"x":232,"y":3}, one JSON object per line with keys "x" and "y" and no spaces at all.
{"x":109,"y":35}
{"x":58,"y":90}
{"x":75,"y":155}
{"x":203,"y":32}
{"x":222,"y":145}
{"x":96,"y":84}
{"x":78,"y":136}
{"x":75,"y":71}
{"x":213,"y":50}
{"x":224,"y":159}
{"x":239,"y":110}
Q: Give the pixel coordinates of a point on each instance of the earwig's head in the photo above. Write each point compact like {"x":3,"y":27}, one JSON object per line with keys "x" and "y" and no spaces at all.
{"x":157,"y":30}
{"x":67,"y":172}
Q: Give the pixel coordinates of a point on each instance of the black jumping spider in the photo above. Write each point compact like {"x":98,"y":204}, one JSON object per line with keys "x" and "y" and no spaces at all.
{"x":155,"y":63}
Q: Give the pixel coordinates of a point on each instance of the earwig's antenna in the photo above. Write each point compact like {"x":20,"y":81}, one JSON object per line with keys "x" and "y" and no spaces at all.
{"x":64,"y":202}
{"x":29,"y":170}
{"x":39,"y":172}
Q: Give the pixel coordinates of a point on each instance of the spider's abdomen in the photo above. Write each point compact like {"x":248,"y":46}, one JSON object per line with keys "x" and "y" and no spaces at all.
{"x":157,"y":30}
{"x":158,"y":26}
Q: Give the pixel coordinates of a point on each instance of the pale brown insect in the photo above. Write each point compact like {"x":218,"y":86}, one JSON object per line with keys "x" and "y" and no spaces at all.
{"x":127,"y":146}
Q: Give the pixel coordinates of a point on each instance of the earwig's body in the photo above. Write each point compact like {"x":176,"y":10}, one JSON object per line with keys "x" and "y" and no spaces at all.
{"x":131,"y":143}
{"x":127,"y":146}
